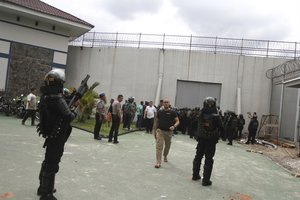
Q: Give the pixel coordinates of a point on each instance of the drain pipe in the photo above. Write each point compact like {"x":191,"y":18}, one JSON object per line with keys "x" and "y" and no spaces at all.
{"x":238,"y":101}
{"x":280,"y":107}
{"x":160,"y":76}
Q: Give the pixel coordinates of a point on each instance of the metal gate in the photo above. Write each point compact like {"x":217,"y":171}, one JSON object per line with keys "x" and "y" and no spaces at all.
{"x":191,"y":93}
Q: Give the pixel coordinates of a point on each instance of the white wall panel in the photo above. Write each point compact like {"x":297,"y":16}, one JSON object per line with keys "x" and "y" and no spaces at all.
{"x":4,"y":47}
{"x":3,"y":72}
{"x":30,"y":36}
{"x":60,"y":58}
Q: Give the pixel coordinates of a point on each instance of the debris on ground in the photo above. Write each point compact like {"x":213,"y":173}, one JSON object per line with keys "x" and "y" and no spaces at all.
{"x":238,"y":196}
{"x":283,"y":154}
{"x":7,"y":195}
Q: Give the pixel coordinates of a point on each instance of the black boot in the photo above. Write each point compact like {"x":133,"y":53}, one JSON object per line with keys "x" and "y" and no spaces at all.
{"x":196,"y":170}
{"x":39,"y":192}
{"x":47,"y":186}
{"x":206,"y":176}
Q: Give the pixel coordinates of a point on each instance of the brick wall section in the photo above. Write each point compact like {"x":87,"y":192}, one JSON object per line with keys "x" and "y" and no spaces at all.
{"x":27,"y":68}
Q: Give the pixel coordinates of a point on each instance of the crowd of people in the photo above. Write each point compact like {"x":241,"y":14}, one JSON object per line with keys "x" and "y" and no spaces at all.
{"x":206,"y":125}
{"x":145,"y":115}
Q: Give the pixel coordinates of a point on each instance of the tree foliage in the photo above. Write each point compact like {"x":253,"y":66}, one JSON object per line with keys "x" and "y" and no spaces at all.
{"x":87,"y":103}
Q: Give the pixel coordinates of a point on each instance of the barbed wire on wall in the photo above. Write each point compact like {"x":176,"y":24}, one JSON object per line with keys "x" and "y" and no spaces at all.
{"x":248,"y":47}
{"x":286,"y":71}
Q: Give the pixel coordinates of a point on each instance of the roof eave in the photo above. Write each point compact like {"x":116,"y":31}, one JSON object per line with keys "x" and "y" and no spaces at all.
{"x":75,"y":29}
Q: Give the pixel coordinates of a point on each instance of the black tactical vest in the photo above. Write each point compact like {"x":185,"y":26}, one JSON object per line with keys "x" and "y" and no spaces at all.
{"x":207,"y":127}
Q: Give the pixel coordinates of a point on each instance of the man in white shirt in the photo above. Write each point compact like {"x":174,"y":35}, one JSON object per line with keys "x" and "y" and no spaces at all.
{"x":149,"y":115}
{"x":31,"y":107}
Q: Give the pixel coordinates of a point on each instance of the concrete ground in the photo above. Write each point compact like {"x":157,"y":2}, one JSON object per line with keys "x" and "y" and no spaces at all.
{"x":95,"y":170}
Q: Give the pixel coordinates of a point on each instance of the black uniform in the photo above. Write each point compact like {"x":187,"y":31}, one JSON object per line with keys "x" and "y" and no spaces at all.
{"x":55,"y":118}
{"x":240,"y":126}
{"x":231,"y":127}
{"x":209,"y":123}
{"x":193,"y":122}
{"x":252,"y":128}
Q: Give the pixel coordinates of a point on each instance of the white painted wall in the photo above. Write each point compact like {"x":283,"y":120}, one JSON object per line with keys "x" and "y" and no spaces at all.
{"x":60,"y":58}
{"x":34,"y":37}
{"x":3,"y":72}
{"x":4,"y":47}
{"x":134,"y":72}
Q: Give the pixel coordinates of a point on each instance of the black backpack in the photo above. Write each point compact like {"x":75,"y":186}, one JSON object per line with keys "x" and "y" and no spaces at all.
{"x":206,"y":127}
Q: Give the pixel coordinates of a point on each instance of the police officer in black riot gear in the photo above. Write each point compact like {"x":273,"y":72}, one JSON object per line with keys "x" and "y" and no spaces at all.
{"x":209,"y":123}
{"x":193,"y":122}
{"x":54,"y":126}
{"x":231,"y":126}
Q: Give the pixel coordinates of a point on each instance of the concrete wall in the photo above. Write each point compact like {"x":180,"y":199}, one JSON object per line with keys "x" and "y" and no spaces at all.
{"x":134,"y":72}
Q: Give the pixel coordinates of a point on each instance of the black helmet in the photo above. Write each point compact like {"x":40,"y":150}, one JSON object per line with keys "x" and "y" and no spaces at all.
{"x":66,"y":92}
{"x":209,"y":102}
{"x":131,"y":99}
{"x":55,"y":77}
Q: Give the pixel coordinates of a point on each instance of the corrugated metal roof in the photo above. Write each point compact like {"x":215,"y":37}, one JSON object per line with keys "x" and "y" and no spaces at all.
{"x":42,"y":7}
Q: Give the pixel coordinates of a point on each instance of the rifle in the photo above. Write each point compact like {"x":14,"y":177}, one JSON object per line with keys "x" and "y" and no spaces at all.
{"x":80,"y":92}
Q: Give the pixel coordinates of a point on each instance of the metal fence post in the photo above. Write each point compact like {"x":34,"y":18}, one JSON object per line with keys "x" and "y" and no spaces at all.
{"x":216,"y":43}
{"x":93,"y":39}
{"x":139,"y":40}
{"x":191,"y":40}
{"x":242,"y":46}
{"x":163,"y":44}
{"x":295,"y":52}
{"x":268,"y":48}
{"x":116,"y":40}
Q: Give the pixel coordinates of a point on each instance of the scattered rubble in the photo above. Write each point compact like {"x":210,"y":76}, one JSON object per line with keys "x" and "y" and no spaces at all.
{"x":284,"y":154}
{"x":238,"y":196}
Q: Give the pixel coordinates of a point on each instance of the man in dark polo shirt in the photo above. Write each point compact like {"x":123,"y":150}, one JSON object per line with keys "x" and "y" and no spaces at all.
{"x":166,"y":121}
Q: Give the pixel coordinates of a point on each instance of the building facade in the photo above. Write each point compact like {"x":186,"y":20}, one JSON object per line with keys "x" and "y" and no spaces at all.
{"x":34,"y":38}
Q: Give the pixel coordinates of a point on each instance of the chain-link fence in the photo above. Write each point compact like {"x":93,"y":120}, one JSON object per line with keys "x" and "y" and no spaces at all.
{"x":261,"y":48}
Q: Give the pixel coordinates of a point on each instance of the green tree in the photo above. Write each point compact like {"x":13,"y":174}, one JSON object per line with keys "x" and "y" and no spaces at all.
{"x":87,"y":103}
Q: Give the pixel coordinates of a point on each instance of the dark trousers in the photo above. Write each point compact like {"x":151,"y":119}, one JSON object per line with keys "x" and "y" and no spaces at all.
{"x":30,"y":113}
{"x":149,"y":124}
{"x":139,"y":121}
{"x":251,"y":136}
{"x":127,"y":120}
{"x":54,"y":150}
{"x":207,"y":148}
{"x":98,"y":125}
{"x":114,"y":130}
{"x":192,"y":129}
{"x":50,"y":165}
{"x":123,"y":119}
{"x":239,"y":132}
{"x":222,"y":134}
{"x":230,"y":134}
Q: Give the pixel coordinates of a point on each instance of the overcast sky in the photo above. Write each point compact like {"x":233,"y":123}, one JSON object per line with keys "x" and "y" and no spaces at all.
{"x":249,"y":19}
